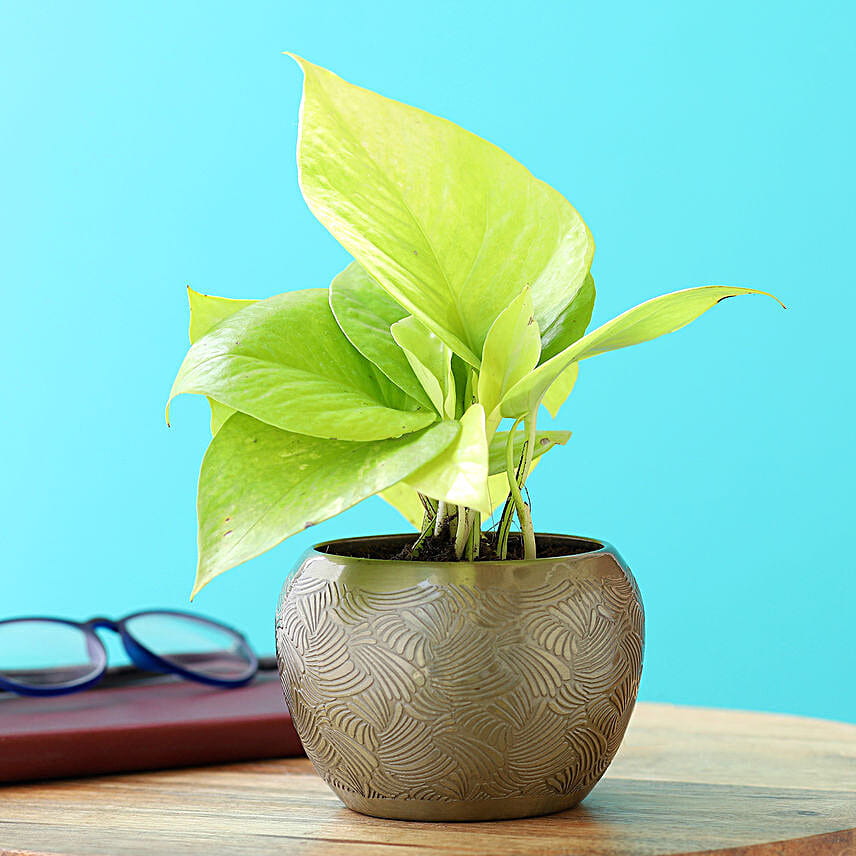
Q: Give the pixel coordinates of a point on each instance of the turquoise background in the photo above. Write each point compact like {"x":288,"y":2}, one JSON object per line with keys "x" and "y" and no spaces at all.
{"x":150,"y":145}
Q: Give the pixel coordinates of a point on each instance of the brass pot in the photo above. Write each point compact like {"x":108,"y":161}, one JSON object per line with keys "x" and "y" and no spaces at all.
{"x":460,"y":690}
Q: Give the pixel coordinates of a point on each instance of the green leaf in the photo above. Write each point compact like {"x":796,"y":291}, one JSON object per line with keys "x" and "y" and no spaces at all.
{"x":259,"y":485}
{"x":285,"y":361}
{"x":206,"y":312}
{"x":219,"y":414}
{"x":462,"y":373}
{"x":459,"y":474}
{"x":544,"y":441}
{"x":647,"y":321}
{"x":497,"y":486}
{"x":431,"y":362}
{"x":405,"y":500}
{"x":571,"y":323}
{"x":511,"y":351}
{"x":559,"y":390}
{"x":450,"y":225}
{"x":365,"y":312}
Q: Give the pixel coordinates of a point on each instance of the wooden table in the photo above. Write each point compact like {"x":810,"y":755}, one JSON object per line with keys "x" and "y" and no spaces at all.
{"x":687,"y":780}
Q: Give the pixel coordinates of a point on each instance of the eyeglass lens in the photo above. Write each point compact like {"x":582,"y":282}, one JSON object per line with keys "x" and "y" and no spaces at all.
{"x":40,"y":652}
{"x":193,"y":644}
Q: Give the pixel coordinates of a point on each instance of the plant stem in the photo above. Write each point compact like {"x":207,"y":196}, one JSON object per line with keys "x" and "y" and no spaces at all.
{"x":441,"y":518}
{"x":529,"y":449}
{"x":504,"y":529}
{"x":524,"y":513}
{"x":474,"y":542}
{"x":428,"y":518}
{"x":518,"y":479}
{"x":527,"y":532}
{"x":508,"y":509}
{"x":427,"y":529}
{"x":427,"y":503}
{"x":514,"y":487}
{"x":462,"y":536}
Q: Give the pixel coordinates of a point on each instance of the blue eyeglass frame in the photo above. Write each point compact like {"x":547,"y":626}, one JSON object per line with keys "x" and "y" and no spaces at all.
{"x":141,"y":656}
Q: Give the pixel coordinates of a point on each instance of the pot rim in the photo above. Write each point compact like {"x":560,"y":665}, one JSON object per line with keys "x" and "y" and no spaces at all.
{"x":598,"y":546}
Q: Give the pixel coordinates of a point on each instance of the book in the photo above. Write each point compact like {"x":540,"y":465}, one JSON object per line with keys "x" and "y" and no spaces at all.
{"x":145,"y":724}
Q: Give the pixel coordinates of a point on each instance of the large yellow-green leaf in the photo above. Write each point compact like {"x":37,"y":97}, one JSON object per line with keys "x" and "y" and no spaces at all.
{"x":365,"y":312}
{"x":544,"y":441}
{"x":259,"y":485}
{"x":431,"y":361}
{"x":459,"y":474}
{"x":449,"y":224}
{"x":285,"y":361}
{"x":647,"y":321}
{"x":511,"y":351}
{"x":571,"y":322}
{"x":206,"y":312}
{"x":559,"y":390}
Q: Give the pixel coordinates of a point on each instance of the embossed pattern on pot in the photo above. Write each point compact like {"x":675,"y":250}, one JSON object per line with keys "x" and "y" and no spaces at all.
{"x":496,"y":695}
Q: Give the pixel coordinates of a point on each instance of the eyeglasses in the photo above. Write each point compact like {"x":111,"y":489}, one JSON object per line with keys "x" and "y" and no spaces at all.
{"x":42,"y":656}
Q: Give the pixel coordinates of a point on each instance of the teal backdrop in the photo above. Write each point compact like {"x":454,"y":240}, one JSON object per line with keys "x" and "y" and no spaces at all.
{"x":150,"y":145}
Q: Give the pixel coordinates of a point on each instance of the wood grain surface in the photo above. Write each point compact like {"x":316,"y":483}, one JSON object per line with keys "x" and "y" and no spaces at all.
{"x":687,"y":780}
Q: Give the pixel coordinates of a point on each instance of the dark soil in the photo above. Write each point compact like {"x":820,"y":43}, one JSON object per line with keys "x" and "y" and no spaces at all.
{"x":441,"y":548}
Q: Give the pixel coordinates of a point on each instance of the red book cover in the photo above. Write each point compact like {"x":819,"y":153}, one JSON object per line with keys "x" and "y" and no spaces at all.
{"x":149,"y":725}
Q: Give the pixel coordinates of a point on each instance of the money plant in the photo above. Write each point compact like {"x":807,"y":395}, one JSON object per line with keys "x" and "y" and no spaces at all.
{"x":463,"y":311}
